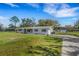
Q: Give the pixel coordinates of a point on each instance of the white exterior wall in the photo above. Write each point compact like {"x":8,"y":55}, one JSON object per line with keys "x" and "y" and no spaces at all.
{"x":44,"y":32}
{"x":39,"y":31}
{"x":63,"y":30}
{"x":48,"y":31}
{"x":22,"y":31}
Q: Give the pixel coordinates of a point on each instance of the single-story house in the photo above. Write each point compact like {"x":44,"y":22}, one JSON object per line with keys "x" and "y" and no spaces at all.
{"x":36,"y":30}
{"x":60,"y":29}
{"x":75,"y":30}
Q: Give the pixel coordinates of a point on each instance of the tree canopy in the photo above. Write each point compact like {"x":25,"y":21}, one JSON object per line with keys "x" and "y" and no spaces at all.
{"x":27,"y":22}
{"x":76,"y":25}
{"x":48,"y":22}
{"x":14,"y":20}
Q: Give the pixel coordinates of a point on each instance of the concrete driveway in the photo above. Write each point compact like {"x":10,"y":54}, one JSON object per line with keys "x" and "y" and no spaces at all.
{"x":70,"y":45}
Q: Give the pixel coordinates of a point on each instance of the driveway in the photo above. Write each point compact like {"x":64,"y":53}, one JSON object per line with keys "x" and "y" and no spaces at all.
{"x":70,"y":45}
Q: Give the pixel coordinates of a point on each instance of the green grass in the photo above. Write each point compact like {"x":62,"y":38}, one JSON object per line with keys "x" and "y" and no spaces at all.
{"x":17,"y":44}
{"x":69,"y":33}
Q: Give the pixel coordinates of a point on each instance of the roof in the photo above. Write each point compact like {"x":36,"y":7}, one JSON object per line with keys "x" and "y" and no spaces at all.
{"x":34,"y":27}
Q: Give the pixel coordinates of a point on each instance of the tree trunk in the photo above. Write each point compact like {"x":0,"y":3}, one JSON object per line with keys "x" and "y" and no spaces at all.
{"x":15,"y":27}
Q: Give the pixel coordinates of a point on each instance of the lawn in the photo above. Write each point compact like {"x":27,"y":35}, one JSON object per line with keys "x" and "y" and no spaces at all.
{"x":17,"y":44}
{"x":69,"y":33}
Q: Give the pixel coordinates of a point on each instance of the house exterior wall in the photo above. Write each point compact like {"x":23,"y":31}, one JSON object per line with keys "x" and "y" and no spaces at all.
{"x":20,"y":31}
{"x":48,"y":30}
{"x":63,"y":30}
{"x":40,"y":31}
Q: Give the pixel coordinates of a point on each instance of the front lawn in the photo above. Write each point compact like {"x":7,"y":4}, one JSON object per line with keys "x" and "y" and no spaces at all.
{"x":17,"y":44}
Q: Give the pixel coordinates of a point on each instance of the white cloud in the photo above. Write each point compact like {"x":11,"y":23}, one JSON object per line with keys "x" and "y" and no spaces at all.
{"x":12,"y":5}
{"x":3,"y":18}
{"x":63,"y":11}
{"x":64,"y":6}
{"x":35,"y":5}
{"x":50,"y":8}
{"x":66,"y":13}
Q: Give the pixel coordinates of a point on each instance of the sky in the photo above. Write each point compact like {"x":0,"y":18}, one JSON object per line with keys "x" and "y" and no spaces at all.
{"x":64,"y":13}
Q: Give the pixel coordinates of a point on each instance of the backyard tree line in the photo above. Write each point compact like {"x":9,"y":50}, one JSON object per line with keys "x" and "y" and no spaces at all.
{"x":29,"y":22}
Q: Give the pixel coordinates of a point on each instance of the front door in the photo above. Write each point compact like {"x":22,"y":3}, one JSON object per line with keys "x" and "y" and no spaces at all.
{"x":29,"y":30}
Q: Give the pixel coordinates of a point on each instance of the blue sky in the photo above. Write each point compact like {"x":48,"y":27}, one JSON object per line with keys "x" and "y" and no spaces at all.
{"x":65,"y":13}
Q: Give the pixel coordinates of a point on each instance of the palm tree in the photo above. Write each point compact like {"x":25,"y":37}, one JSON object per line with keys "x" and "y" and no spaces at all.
{"x":14,"y":20}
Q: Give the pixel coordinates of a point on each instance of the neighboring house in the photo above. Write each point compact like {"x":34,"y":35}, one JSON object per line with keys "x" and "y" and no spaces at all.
{"x":75,"y":30}
{"x":36,"y":30}
{"x":60,"y":29}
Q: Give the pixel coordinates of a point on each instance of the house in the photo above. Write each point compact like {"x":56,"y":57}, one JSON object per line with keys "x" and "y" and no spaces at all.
{"x":75,"y":30}
{"x":60,"y":29}
{"x":36,"y":30}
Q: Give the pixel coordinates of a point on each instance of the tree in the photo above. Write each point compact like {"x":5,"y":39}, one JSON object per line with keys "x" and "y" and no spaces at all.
{"x":27,"y":22}
{"x":23,"y":23}
{"x":14,"y":20}
{"x":1,"y":27}
{"x":11,"y":26}
{"x":69,"y":27}
{"x":48,"y":22}
{"x":41,"y":22}
{"x":76,"y":25}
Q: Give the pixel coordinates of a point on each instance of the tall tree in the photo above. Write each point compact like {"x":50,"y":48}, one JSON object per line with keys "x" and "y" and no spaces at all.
{"x":27,"y":22}
{"x":69,"y":27}
{"x":11,"y":26}
{"x":48,"y":22}
{"x":76,"y":25}
{"x":23,"y":23}
{"x":1,"y":27}
{"x":14,"y":20}
{"x":41,"y":22}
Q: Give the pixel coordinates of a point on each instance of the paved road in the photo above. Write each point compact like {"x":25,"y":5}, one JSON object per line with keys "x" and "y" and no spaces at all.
{"x":70,"y":45}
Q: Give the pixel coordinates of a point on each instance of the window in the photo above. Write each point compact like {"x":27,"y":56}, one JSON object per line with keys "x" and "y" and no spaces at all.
{"x":29,"y":30}
{"x":20,"y":29}
{"x":36,"y":30}
{"x":43,"y":30}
